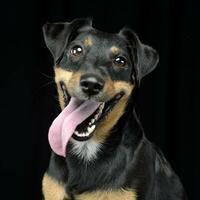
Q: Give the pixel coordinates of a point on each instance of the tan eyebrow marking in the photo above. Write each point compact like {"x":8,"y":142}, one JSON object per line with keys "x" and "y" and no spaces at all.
{"x":114,"y":50}
{"x":88,"y":42}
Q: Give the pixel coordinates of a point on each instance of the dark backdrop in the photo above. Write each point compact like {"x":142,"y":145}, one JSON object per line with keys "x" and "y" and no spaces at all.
{"x":169,"y":98}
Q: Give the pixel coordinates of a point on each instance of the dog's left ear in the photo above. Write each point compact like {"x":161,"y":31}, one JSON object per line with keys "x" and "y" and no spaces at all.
{"x":58,"y":35}
{"x":144,"y":58}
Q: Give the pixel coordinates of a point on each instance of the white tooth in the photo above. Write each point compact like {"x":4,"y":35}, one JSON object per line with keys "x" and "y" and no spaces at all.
{"x":102,"y":106}
{"x":88,"y":130}
{"x":83,"y":134}
{"x":76,"y":132}
{"x":87,"y":133}
{"x":91,"y":129}
{"x":92,"y":120}
{"x":96,"y":116}
{"x":80,"y":134}
{"x":90,"y":123}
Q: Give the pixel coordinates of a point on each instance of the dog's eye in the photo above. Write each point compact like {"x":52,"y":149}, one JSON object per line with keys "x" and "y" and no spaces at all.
{"x":120,"y":61}
{"x":76,"y":50}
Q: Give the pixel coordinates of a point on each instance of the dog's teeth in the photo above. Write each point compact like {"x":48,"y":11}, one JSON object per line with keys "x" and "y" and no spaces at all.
{"x":88,"y":129}
{"x":76,"y":132}
{"x":100,"y":110}
{"x":102,"y":106}
{"x":79,"y":134}
{"x":87,"y":133}
{"x":92,"y":121}
{"x":98,"y":114}
{"x":83,"y":134}
{"x":91,"y":129}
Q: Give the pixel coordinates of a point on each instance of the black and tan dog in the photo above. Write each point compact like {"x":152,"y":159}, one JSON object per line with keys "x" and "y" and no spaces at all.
{"x":99,"y":147}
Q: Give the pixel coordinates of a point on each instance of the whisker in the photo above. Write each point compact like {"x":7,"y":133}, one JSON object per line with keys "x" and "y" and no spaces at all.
{"x":45,"y":85}
{"x":46,"y":75}
{"x":42,"y":87}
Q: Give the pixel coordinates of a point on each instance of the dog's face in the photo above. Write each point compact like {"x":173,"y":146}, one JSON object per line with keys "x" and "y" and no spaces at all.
{"x":91,"y":65}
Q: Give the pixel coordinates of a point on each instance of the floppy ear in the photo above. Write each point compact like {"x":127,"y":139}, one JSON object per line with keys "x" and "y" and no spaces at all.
{"x":144,"y":57}
{"x":57,"y":35}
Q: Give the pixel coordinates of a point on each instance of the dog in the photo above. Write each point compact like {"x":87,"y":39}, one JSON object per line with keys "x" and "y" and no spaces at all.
{"x":99,"y":150}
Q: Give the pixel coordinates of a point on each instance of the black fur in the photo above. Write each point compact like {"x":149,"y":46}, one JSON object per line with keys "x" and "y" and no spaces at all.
{"x":127,"y":159}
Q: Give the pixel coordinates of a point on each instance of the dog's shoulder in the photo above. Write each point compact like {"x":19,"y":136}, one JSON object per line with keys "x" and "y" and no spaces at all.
{"x":167,"y":184}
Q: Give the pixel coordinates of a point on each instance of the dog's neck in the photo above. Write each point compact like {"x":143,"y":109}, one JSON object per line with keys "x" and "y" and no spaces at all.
{"x":91,"y":150}
{"x":114,"y":154}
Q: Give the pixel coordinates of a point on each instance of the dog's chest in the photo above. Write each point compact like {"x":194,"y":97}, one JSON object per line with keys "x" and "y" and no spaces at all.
{"x":119,"y":194}
{"x":86,"y":150}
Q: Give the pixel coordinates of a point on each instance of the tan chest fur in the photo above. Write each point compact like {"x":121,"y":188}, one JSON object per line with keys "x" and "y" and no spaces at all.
{"x":52,"y":190}
{"x":120,"y":194}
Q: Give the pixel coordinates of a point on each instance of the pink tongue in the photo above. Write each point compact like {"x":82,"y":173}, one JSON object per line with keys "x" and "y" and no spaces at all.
{"x":65,"y":124}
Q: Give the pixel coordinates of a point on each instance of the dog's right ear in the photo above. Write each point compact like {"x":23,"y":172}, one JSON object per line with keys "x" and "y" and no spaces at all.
{"x":57,"y":35}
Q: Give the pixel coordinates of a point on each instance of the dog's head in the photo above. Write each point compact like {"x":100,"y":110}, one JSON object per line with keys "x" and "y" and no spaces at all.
{"x":94,"y":66}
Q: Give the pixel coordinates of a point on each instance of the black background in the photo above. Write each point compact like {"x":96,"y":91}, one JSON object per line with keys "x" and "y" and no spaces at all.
{"x":169,"y":97}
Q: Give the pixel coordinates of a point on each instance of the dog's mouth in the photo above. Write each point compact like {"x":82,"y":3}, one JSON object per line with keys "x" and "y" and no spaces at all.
{"x":87,"y":127}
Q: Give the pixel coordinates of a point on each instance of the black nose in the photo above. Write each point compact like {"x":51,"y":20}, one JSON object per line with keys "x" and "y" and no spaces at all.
{"x":91,"y":84}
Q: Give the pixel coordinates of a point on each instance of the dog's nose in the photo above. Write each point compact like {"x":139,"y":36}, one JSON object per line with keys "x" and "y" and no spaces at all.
{"x":91,"y":84}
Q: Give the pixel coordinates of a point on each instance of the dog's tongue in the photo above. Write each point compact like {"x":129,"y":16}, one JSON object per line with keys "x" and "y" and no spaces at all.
{"x":65,"y":124}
